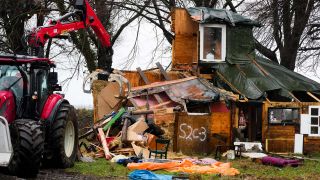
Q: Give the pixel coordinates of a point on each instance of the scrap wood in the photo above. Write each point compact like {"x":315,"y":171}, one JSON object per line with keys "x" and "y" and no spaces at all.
{"x":104,"y":144}
{"x":140,"y":151}
{"x":187,"y":166}
{"x":126,"y":151}
{"x":124,"y":130}
{"x":114,"y":119}
{"x":97,"y":125}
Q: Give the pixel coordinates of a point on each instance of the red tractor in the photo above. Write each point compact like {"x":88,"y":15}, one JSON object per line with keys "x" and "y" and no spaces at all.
{"x":38,"y":126}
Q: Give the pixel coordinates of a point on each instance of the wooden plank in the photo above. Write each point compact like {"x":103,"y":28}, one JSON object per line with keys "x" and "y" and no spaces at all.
{"x":146,"y":81}
{"x":163,"y":72}
{"x":231,"y":86}
{"x":313,"y":96}
{"x":143,"y":76}
{"x":294,"y":97}
{"x":163,"y":83}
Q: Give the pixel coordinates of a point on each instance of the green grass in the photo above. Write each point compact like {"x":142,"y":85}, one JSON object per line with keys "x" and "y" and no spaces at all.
{"x":247,"y":168}
{"x":101,"y":168}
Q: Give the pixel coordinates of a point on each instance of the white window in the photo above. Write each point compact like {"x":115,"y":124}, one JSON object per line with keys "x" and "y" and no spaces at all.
{"x":314,"y":121}
{"x":212,"y":42}
{"x":310,"y":122}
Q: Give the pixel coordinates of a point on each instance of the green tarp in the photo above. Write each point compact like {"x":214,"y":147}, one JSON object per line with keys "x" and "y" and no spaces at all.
{"x":255,"y":80}
{"x":240,"y":45}
{"x":210,"y":15}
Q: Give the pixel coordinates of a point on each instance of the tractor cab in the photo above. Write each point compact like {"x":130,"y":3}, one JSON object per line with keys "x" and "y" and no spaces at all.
{"x":24,"y":86}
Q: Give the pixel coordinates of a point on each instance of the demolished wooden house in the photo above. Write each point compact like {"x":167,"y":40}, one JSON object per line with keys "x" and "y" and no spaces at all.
{"x":226,"y":91}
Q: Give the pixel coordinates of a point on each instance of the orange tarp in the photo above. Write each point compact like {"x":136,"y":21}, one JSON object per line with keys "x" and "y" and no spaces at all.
{"x":188,"y":167}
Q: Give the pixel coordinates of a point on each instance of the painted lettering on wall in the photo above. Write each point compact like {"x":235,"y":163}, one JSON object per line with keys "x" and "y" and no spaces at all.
{"x":187,"y":132}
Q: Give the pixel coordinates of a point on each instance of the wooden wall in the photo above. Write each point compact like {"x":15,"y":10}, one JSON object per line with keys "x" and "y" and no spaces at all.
{"x":311,"y":145}
{"x":185,"y":44}
{"x":193,"y":134}
{"x":279,"y":138}
{"x":201,"y":133}
{"x":153,"y":75}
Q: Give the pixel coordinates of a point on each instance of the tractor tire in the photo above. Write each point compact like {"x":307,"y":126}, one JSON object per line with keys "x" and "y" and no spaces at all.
{"x":27,"y":139}
{"x":62,"y":138}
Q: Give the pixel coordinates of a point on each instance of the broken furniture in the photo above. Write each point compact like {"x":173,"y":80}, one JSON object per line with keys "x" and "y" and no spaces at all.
{"x":162,"y":146}
{"x":237,"y":150}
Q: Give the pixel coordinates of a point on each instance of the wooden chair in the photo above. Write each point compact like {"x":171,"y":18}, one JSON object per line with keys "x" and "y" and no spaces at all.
{"x":162,"y":146}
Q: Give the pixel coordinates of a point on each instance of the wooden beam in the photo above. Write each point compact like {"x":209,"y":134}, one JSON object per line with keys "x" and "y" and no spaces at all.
{"x":163,"y":72}
{"x":163,"y":83}
{"x":258,"y":65}
{"x":226,"y":81}
{"x":313,"y":96}
{"x":146,"y":81}
{"x":294,"y":97}
{"x":143,"y":76}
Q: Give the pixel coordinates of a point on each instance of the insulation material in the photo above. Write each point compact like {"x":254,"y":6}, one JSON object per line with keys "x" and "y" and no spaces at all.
{"x":135,"y":131}
{"x":140,"y":151}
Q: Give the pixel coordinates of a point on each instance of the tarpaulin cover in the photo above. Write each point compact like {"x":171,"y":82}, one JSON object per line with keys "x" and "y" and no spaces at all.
{"x":187,"y":166}
{"x":147,"y":175}
{"x":210,"y":15}
{"x":240,"y":45}
{"x":253,"y":80}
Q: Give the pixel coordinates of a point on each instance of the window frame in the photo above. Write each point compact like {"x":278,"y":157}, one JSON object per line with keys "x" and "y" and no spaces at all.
{"x":223,"y":41}
{"x":318,"y":117}
{"x":282,"y":123}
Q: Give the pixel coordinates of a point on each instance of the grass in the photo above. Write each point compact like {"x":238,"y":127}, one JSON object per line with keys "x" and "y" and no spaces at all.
{"x":248,"y":169}
{"x":101,"y":168}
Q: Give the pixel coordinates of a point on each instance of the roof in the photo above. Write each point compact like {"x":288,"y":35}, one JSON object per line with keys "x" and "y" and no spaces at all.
{"x":180,"y":91}
{"x":256,"y":79}
{"x":209,"y":15}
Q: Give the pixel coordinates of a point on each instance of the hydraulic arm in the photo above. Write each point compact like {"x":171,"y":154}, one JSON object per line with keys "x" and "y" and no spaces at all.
{"x":82,"y":17}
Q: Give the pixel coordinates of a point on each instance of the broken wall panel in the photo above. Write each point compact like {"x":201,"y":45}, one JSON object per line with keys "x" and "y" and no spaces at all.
{"x":105,"y":98}
{"x":193,"y":134}
{"x":185,"y":44}
{"x":220,"y":128}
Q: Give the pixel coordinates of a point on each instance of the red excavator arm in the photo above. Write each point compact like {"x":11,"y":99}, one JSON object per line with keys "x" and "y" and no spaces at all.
{"x":86,"y":17}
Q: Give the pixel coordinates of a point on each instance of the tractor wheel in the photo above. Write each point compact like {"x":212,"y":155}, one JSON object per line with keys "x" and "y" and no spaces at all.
{"x":27,"y":140}
{"x":62,"y":138}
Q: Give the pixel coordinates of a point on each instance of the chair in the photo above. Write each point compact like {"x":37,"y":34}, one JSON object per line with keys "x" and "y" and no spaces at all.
{"x":162,"y":146}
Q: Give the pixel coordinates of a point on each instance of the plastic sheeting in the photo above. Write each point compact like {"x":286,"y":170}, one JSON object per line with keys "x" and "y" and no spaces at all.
{"x":240,"y":45}
{"x":210,"y":15}
{"x":187,"y":166}
{"x":254,"y":80}
{"x":147,"y":175}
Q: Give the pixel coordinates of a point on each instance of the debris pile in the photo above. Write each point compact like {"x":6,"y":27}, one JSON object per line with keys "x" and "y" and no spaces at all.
{"x":133,"y":124}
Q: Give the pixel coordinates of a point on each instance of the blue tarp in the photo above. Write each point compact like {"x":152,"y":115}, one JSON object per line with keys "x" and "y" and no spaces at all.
{"x":147,"y":175}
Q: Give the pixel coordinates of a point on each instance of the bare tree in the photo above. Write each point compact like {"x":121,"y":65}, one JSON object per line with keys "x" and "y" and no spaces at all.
{"x":286,"y":23}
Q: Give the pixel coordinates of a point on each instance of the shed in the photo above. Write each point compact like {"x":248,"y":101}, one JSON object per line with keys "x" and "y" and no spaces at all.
{"x":218,"y":45}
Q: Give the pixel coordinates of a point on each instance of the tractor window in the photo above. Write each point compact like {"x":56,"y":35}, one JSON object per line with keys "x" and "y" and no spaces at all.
{"x":11,"y":79}
{"x":42,"y":85}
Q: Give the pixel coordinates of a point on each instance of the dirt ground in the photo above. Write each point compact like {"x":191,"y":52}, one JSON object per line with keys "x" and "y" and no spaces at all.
{"x":54,"y":174}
